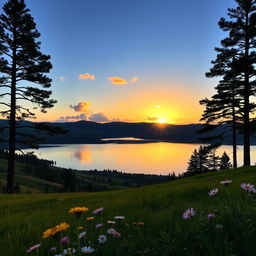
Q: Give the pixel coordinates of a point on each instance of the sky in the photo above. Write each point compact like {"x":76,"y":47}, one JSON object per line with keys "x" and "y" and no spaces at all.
{"x":129,"y":60}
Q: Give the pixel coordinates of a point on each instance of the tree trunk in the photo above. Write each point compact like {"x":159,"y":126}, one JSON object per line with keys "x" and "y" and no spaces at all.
{"x":12,"y":133}
{"x":234,"y":127}
{"x":247,"y":160}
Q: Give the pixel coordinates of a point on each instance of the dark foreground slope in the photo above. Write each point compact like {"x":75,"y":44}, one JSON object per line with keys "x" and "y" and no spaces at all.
{"x":232,"y":231}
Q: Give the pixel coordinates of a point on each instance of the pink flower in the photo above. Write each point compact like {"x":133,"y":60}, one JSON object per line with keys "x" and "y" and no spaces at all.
{"x":116,"y":234}
{"x":213,"y":192}
{"x":189,"y":213}
{"x":211,"y":216}
{"x":34,"y":247}
{"x":225,"y":182}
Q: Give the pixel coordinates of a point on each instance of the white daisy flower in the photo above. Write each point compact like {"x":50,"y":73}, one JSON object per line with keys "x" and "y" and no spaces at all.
{"x":102,"y":239}
{"x":87,"y":250}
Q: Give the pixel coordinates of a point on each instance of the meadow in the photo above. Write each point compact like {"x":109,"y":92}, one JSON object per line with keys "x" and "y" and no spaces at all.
{"x":153,"y":222}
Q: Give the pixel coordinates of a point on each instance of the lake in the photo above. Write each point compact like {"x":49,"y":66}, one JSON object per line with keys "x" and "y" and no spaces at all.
{"x":151,"y":158}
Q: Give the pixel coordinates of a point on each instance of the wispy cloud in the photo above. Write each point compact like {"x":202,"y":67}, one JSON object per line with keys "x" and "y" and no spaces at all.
{"x":121,"y":81}
{"x":81,"y":107}
{"x":62,"y":78}
{"x":86,"y":76}
{"x":117,"y":80}
{"x":135,"y":79}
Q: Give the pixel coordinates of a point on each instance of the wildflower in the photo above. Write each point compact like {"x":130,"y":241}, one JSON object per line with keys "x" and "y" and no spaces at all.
{"x":138,"y":223}
{"x":78,"y":210}
{"x":99,"y":225}
{"x":90,"y":218}
{"x":87,"y":249}
{"x":219,"y":226}
{"x":248,"y":187}
{"x":102,"y":239}
{"x":211,"y":216}
{"x":82,"y":235}
{"x":225,"y":182}
{"x":116,"y":234}
{"x":65,"y":240}
{"x":119,"y":218}
{"x":80,"y":228}
{"x":111,"y":231}
{"x":53,"y":249}
{"x":34,"y":247}
{"x":213,"y":192}
{"x":111,"y":222}
{"x":69,"y":251}
{"x":57,"y":229}
{"x":98,"y":211}
{"x":189,"y":213}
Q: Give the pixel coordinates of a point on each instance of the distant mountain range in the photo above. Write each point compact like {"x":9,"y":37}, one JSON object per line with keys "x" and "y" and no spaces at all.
{"x":83,"y":132}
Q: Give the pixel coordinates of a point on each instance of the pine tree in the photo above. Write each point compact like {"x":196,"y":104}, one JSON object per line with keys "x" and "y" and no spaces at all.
{"x":236,"y":59}
{"x":223,"y":110}
{"x":23,"y":67}
{"x":225,"y":162}
{"x":213,"y":161}
{"x":193,"y":163}
{"x":199,"y":161}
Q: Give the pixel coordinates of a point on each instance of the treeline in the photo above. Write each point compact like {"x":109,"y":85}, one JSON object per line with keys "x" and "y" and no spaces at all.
{"x":205,"y":160}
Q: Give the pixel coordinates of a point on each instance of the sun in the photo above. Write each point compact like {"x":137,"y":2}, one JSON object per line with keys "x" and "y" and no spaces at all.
{"x":161,"y":121}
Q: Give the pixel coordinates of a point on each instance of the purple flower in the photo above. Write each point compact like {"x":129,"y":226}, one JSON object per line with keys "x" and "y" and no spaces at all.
{"x":99,"y":225}
{"x":65,"y":240}
{"x":248,"y":187}
{"x":211,"y":216}
{"x":98,"y":211}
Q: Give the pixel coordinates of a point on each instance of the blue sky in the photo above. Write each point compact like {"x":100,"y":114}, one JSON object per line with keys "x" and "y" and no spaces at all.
{"x":166,"y":44}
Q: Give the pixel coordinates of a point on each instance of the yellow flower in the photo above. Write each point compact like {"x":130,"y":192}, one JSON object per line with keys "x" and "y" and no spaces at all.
{"x":53,"y":231}
{"x":78,"y":210}
{"x":47,"y":233}
{"x":90,"y":218}
{"x":79,"y":228}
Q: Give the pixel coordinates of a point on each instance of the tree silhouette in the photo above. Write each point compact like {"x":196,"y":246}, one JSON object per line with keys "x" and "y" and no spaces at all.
{"x":236,"y":60}
{"x":23,"y":67}
{"x":223,"y":110}
{"x":225,"y":162}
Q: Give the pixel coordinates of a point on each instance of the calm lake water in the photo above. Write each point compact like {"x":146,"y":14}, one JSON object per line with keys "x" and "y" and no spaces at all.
{"x":153,"y":158}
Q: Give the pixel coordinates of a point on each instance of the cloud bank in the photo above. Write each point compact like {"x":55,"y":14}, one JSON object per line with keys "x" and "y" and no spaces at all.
{"x":72,"y":118}
{"x":99,"y":117}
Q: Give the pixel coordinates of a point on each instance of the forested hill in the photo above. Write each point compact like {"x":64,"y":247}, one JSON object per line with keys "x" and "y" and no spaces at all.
{"x":91,"y":132}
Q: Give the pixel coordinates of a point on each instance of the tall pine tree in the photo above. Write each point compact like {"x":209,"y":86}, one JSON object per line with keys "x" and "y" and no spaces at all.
{"x":23,"y":68}
{"x":239,"y":48}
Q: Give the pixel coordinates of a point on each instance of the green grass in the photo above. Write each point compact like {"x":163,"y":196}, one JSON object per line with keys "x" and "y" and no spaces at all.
{"x":24,"y":217}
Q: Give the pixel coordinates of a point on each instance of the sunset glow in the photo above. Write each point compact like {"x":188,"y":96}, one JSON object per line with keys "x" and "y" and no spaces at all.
{"x":125,"y":79}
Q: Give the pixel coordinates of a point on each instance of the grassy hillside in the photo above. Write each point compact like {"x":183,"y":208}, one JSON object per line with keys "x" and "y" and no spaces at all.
{"x":232,"y":231}
{"x":33,"y":175}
